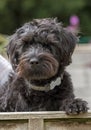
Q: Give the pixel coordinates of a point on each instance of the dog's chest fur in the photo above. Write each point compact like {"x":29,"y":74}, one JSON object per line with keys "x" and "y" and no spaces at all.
{"x":33,"y":100}
{"x":41,"y":101}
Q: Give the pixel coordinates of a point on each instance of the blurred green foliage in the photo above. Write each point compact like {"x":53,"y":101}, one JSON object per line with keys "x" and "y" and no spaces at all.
{"x":13,"y":13}
{"x":3,"y":43}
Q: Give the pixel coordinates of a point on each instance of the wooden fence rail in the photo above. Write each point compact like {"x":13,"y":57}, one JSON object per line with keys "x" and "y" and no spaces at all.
{"x":44,"y":121}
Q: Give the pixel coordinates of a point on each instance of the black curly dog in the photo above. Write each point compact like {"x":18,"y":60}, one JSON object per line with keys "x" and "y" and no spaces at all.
{"x":39,"y":51}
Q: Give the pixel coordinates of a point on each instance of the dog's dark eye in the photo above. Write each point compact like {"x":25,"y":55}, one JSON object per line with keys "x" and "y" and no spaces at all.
{"x":47,"y":46}
{"x":26,"y":45}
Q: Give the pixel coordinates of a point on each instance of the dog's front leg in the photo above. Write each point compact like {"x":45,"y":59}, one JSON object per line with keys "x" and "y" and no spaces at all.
{"x":74,"y":106}
{"x":13,"y":99}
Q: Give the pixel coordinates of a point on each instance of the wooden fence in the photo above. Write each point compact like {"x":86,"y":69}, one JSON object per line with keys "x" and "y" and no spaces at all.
{"x":44,"y":121}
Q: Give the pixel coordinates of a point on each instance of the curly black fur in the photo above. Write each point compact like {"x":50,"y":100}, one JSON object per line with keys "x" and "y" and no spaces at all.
{"x":39,"y":52}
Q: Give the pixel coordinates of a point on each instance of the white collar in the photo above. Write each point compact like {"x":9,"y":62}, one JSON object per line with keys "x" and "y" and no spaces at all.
{"x":47,"y":87}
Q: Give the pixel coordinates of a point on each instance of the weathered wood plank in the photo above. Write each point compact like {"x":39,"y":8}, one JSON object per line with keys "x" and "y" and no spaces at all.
{"x":36,"y":124}
{"x":44,"y":121}
{"x":13,"y":125}
{"x":41,"y":115}
{"x":66,"y":125}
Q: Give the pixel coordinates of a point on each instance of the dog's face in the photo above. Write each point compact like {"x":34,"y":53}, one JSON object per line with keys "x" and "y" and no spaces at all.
{"x":39,"y":49}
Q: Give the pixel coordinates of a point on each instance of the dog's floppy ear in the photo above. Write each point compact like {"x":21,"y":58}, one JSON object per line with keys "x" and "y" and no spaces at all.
{"x":11,"y":47}
{"x":69,"y":41}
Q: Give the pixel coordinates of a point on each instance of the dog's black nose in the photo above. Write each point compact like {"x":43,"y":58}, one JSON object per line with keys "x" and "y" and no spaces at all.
{"x":34,"y":61}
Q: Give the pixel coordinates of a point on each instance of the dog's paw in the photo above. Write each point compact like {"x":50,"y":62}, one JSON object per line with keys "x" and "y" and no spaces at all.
{"x":76,"y":107}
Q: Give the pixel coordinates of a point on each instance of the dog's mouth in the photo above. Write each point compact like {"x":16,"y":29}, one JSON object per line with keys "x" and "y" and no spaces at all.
{"x":42,"y":67}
